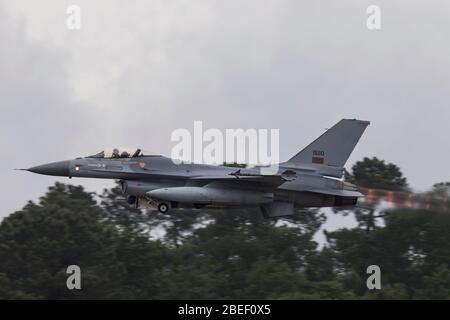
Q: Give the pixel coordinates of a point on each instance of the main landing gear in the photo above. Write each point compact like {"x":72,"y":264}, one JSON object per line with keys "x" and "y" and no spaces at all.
{"x":163,"y":207}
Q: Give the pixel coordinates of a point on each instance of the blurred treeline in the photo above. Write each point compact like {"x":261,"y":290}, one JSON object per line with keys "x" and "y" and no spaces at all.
{"x":127,"y":253}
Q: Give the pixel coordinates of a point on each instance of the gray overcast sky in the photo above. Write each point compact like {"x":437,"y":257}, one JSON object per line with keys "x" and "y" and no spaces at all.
{"x":138,"y":70}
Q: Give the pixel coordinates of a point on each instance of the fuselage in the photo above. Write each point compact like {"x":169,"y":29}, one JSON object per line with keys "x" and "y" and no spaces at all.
{"x":311,"y":178}
{"x":141,"y":176}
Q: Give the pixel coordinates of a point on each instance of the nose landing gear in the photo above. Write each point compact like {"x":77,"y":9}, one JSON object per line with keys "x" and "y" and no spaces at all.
{"x":133,"y":200}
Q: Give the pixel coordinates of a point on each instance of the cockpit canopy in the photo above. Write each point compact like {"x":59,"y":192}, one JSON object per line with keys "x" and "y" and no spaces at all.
{"x":119,"y":152}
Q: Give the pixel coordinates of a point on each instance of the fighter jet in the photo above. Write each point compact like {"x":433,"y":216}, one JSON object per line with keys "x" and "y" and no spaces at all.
{"x":311,"y":178}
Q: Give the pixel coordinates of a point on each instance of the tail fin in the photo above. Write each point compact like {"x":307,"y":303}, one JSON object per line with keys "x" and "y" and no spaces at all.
{"x":334,"y":146}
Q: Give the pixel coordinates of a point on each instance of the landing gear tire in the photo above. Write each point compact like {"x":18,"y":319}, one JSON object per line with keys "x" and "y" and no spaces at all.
{"x":131,"y":199}
{"x":163,"y":207}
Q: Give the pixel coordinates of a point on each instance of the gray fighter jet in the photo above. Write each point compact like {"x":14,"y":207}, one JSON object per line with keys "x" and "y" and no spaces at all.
{"x":311,"y":178}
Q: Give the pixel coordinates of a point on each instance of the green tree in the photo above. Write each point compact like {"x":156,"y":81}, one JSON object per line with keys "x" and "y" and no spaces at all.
{"x":411,"y":250}
{"x":215,"y":254}
{"x":116,"y":209}
{"x":373,"y":173}
{"x":238,"y":246}
{"x":173,"y":227}
{"x":39,"y":242}
{"x":377,"y":174}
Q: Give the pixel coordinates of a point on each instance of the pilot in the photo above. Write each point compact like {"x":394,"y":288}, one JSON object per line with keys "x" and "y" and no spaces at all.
{"x":124,"y":154}
{"x":115,"y":153}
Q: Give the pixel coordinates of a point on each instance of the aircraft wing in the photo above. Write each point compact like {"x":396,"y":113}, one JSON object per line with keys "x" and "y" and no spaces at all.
{"x":239,"y":178}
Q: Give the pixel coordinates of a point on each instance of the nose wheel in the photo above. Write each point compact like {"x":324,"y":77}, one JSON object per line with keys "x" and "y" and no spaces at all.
{"x":163,"y":207}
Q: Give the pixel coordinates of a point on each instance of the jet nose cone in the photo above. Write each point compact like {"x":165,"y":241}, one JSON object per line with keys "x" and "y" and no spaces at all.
{"x":60,"y":168}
